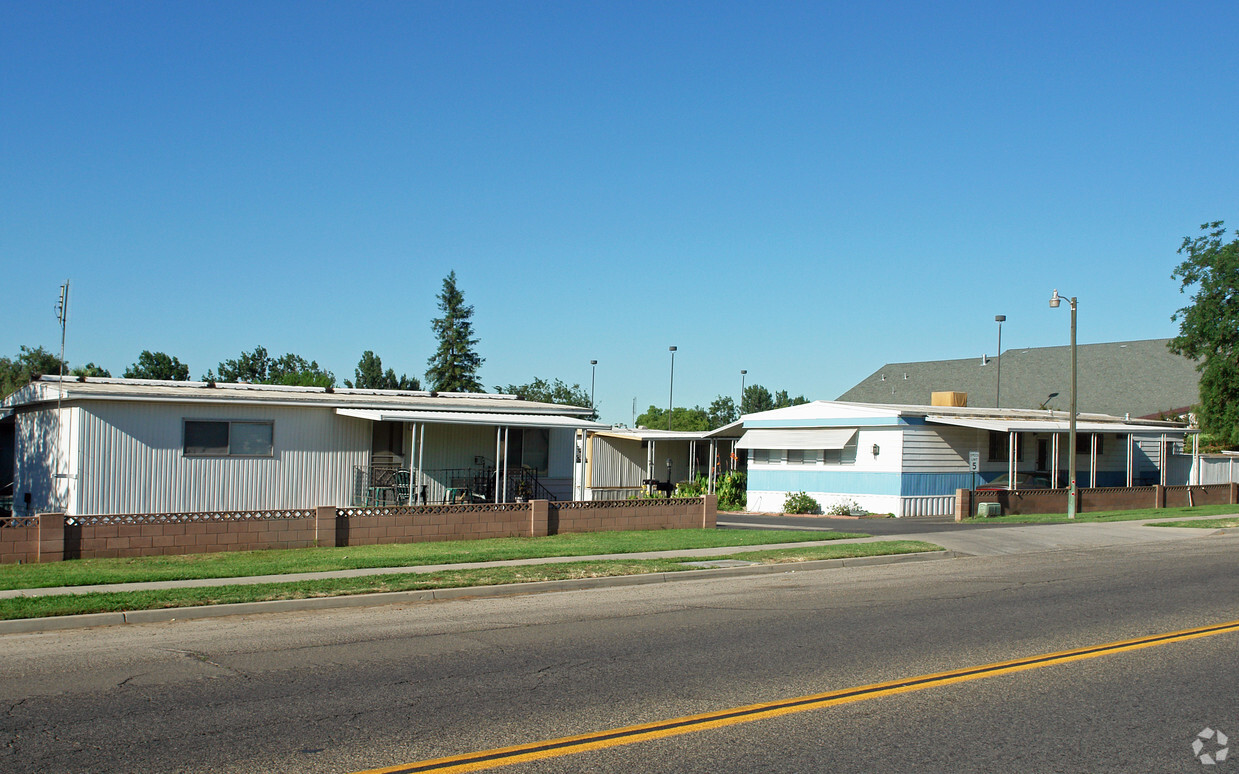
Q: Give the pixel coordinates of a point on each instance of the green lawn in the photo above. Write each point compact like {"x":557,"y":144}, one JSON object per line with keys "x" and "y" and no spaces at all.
{"x":1201,"y":524}
{"x":74,"y":604}
{"x":237,"y":564}
{"x":1149,"y":513}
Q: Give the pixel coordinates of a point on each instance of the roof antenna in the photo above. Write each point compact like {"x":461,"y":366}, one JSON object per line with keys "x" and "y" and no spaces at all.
{"x":62,"y":315}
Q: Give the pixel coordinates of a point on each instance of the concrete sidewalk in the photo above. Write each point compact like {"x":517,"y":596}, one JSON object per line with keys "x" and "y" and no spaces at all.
{"x":1032,"y":538}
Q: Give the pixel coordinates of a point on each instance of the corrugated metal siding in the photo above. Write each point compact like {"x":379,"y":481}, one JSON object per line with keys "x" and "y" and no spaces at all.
{"x":1218,"y":470}
{"x":616,"y":462}
{"x":561,"y":455}
{"x":133,"y":461}
{"x":38,"y":457}
{"x":940,"y":449}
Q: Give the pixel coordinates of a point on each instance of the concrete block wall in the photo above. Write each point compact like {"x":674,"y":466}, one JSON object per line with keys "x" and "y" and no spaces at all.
{"x":48,"y":537}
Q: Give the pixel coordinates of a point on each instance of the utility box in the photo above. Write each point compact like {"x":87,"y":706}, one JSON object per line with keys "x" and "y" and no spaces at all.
{"x":957,"y":399}
{"x":986,"y":510}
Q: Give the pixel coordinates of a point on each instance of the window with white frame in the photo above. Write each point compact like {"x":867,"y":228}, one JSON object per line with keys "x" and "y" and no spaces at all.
{"x":844,"y":456}
{"x":228,"y":438}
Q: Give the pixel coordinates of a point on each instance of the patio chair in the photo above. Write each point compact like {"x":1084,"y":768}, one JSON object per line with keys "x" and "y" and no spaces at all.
{"x":401,"y":487}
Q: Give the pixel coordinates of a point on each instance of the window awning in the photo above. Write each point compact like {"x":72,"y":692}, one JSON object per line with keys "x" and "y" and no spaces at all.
{"x":473,"y":418}
{"x":832,"y":438}
{"x":1051,"y":426}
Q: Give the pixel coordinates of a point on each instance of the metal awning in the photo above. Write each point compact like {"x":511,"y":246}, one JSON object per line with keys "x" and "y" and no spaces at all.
{"x":473,"y":418}
{"x":832,"y":438}
{"x":1051,"y":426}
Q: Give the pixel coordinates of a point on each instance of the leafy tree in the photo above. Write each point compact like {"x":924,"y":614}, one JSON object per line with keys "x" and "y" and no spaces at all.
{"x":1209,"y":326}
{"x":90,"y":369}
{"x":29,"y":365}
{"x":682,"y":418}
{"x":295,"y":370}
{"x":158,"y":365}
{"x":757,"y":398}
{"x":454,"y":366}
{"x":722,"y":412}
{"x":369,"y":375}
{"x":782,"y":400}
{"x":258,"y":367}
{"x":542,"y":391}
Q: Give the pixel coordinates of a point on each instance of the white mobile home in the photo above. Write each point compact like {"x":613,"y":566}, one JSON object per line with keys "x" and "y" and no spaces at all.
{"x":101,"y":446}
{"x":909,"y":460}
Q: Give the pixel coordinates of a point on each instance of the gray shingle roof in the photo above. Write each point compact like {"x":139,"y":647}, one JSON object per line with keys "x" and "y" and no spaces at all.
{"x":1141,"y":378}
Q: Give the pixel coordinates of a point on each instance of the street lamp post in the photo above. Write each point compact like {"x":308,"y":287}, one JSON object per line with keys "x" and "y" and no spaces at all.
{"x":593,"y":373}
{"x":741,"y":403}
{"x":1000,"y":319}
{"x":671,"y":393}
{"x":1071,"y":436}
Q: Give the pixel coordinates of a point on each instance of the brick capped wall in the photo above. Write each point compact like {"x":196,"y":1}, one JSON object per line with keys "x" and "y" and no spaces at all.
{"x":1098,"y":499}
{"x":52,"y":537}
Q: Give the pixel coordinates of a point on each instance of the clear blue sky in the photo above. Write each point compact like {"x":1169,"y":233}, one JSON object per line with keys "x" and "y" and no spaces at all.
{"x":806,"y":190}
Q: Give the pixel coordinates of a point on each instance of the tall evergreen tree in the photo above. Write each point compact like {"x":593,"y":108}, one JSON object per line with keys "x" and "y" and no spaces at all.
{"x":454,"y":366}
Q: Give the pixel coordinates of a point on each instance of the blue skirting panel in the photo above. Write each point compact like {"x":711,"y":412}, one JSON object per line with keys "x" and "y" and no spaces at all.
{"x":819,"y":480}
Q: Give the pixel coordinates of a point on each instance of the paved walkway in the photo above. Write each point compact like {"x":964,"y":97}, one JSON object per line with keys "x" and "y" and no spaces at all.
{"x":1031,"y":538}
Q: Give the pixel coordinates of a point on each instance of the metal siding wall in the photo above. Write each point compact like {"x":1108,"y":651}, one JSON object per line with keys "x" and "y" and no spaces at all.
{"x":562,"y":455}
{"x":134,"y":463}
{"x":822,"y":479}
{"x":35,"y":460}
{"x":616,"y":462}
{"x":940,"y":450}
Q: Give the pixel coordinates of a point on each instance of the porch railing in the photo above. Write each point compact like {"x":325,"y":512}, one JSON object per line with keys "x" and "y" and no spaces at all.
{"x":393,"y":485}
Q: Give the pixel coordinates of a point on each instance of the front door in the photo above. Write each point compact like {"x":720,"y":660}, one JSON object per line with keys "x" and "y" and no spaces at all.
{"x":1043,"y":454}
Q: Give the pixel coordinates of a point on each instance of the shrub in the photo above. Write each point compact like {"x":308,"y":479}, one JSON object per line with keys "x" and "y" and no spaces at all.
{"x":843,"y":508}
{"x":691,"y":488}
{"x":800,"y":503}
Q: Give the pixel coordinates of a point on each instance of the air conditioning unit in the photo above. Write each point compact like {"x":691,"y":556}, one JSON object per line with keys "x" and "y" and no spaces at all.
{"x":986,"y":510}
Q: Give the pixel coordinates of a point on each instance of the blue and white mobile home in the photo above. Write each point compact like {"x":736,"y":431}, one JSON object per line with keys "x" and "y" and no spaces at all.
{"x":909,"y":460}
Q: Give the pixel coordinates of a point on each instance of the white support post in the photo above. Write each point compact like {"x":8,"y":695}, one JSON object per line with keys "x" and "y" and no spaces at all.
{"x":506,"y":438}
{"x":1012,"y":441}
{"x":1092,"y":460}
{"x":1162,"y":458}
{"x":1131,"y":460}
{"x":1054,"y":470}
{"x":498,"y":452}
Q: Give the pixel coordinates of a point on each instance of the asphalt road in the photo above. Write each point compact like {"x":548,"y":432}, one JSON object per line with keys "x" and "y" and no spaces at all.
{"x":347,"y":690}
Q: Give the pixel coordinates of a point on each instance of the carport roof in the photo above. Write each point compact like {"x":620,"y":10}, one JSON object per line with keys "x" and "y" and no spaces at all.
{"x":472,"y":418}
{"x":1013,"y":425}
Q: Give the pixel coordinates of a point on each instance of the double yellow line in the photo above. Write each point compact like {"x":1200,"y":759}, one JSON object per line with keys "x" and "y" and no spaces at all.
{"x":571,"y":745}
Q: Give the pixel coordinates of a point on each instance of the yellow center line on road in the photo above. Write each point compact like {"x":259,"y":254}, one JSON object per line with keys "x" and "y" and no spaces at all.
{"x":571,"y":745}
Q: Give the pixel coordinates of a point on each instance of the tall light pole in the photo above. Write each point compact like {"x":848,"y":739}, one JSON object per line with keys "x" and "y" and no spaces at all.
{"x":741,"y":403}
{"x":1071,"y":436}
{"x":1000,"y":319}
{"x":593,"y":373}
{"x":671,"y":394}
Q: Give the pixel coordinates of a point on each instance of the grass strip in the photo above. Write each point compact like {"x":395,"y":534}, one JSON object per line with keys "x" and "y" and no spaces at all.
{"x":1201,"y":524}
{"x":109,"y":602}
{"x":241,"y":564}
{"x":1102,"y":516}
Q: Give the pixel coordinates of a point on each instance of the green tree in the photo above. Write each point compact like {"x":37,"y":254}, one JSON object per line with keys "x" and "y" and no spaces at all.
{"x":1209,"y":326}
{"x":783,"y":400}
{"x":722,"y":412}
{"x":542,"y":391}
{"x":692,"y":419}
{"x":369,"y":375}
{"x":756,"y":398}
{"x":90,"y":369}
{"x":158,"y":365}
{"x":258,"y":367}
{"x":454,"y":365}
{"x":29,"y":365}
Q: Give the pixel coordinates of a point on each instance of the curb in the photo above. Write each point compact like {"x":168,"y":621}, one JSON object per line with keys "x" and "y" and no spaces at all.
{"x":58,"y":623}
